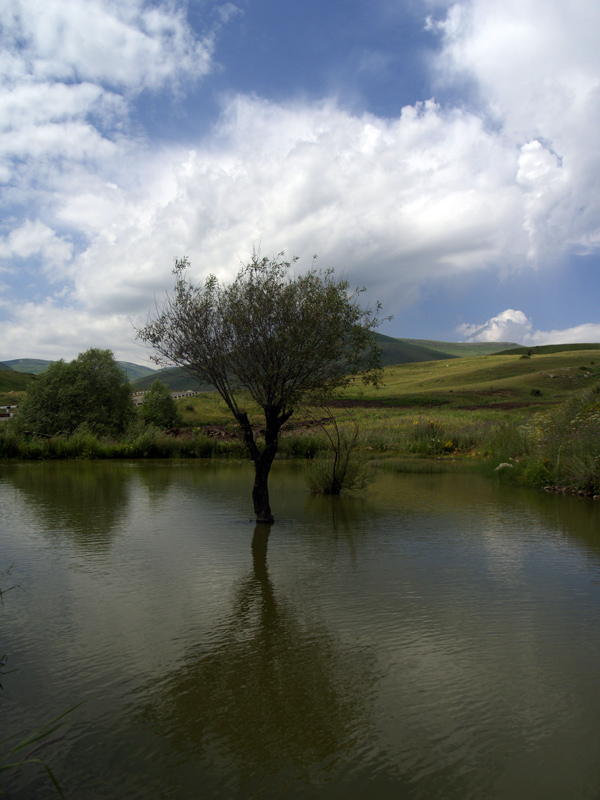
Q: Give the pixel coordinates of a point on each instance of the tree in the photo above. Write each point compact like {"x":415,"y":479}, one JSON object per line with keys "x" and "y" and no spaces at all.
{"x":159,"y":408}
{"x":91,"y":391}
{"x":281,"y":338}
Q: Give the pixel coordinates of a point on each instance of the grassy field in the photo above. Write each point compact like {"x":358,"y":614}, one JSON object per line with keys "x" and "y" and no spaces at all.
{"x":539,"y":413}
{"x":483,"y":387}
{"x":500,"y":381}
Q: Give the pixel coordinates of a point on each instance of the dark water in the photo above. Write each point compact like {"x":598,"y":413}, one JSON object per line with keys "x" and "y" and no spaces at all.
{"x":437,"y":638}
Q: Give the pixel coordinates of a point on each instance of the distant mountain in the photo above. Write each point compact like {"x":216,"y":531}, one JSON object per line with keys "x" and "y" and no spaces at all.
{"x":461,"y":349}
{"x":136,"y":371}
{"x":35,"y":366}
{"x":176,"y":378}
{"x":550,"y":348}
{"x":408,"y":351}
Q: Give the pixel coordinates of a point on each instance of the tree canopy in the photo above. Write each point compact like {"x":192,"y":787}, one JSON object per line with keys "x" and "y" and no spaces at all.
{"x":158,"y":407}
{"x":92,"y":391}
{"x":280,"y":337}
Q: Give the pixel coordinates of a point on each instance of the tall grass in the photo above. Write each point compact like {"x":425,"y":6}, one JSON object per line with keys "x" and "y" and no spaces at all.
{"x":146,"y":443}
{"x":559,"y":447}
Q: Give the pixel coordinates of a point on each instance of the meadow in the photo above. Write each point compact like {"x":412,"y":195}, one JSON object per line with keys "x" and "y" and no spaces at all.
{"x":540,"y":413}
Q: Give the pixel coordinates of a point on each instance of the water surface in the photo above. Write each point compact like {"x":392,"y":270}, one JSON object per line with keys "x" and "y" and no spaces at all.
{"x":438,"y":637}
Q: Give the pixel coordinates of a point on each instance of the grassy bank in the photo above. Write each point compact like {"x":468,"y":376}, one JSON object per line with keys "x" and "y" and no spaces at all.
{"x":537,"y":413}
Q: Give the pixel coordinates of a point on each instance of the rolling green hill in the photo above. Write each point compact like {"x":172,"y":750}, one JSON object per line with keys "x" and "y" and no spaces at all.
{"x":488,"y":381}
{"x":405,"y":351}
{"x":35,"y":366}
{"x":176,"y":378}
{"x":11,"y":381}
{"x":137,"y":371}
{"x":394,"y":351}
{"x":409,"y":351}
{"x":545,"y":349}
{"x":462,"y":349}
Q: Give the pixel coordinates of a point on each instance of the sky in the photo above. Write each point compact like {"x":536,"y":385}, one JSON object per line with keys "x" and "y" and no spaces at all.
{"x":444,"y":155}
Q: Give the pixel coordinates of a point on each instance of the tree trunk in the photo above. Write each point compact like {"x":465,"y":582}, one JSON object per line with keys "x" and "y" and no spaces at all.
{"x":263,"y":459}
{"x":260,"y":491}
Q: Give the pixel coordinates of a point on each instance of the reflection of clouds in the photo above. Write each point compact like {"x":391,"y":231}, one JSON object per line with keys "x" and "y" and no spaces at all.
{"x":383,"y":646}
{"x":264,"y":690}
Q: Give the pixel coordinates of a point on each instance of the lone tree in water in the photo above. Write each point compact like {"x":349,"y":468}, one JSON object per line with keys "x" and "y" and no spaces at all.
{"x":281,"y":338}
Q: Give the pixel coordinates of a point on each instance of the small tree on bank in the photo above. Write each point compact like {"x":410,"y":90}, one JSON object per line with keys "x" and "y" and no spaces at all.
{"x":91,"y":391}
{"x":281,"y":338}
{"x":158,"y":407}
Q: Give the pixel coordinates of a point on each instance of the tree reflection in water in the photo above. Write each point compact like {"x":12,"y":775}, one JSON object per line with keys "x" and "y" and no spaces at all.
{"x":84,"y":501}
{"x":267,"y":693}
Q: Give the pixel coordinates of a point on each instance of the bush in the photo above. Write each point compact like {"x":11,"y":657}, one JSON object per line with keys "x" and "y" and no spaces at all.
{"x":159,"y":407}
{"x":343,"y":469}
{"x":327,"y":475}
{"x":91,"y":392}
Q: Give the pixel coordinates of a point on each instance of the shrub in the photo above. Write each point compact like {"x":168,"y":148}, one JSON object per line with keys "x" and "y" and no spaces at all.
{"x":158,"y":407}
{"x":91,"y":391}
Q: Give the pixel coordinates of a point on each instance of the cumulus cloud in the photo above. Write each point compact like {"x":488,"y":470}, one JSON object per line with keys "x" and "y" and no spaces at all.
{"x":35,"y":238}
{"x":508,"y":326}
{"x":507,"y":180}
{"x":294,"y":177}
{"x":49,"y":330}
{"x":534,"y":73}
{"x":515,"y":326}
{"x":129,"y":45}
{"x":69,"y":70}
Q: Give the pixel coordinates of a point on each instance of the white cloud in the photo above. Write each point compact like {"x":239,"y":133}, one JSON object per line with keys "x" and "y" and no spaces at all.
{"x":515,"y":326}
{"x":421,"y":197}
{"x":509,"y":180}
{"x":68,"y":70}
{"x":128,"y":45}
{"x":49,"y":330}
{"x":508,"y":326}
{"x":35,"y":238}
{"x":534,"y":70}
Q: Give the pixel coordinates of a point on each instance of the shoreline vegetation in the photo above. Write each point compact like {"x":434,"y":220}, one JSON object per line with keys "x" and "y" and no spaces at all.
{"x":538,"y":416}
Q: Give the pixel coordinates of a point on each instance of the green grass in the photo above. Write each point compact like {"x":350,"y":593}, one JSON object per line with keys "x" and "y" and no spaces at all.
{"x":486,"y":380}
{"x":14,"y":381}
{"x":453,"y":413}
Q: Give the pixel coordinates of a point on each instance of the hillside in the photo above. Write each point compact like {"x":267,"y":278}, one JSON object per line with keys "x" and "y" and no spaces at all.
{"x":11,"y":381}
{"x":35,"y":366}
{"x":32,"y":366}
{"x":409,"y":351}
{"x":176,"y":378}
{"x":500,"y":380}
{"x":461,"y":349}
{"x":546,"y":349}
{"x":394,"y":351}
{"x":136,"y":371}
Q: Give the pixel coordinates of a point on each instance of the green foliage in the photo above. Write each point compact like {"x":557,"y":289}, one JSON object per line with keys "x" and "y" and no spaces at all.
{"x":140,"y":441}
{"x":559,"y":447}
{"x":14,"y":381}
{"x":280,"y":339}
{"x":159,"y":407}
{"x":91,"y":392}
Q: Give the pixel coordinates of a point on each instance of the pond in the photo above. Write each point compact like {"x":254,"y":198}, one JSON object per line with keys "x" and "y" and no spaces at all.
{"x":438,"y":637}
